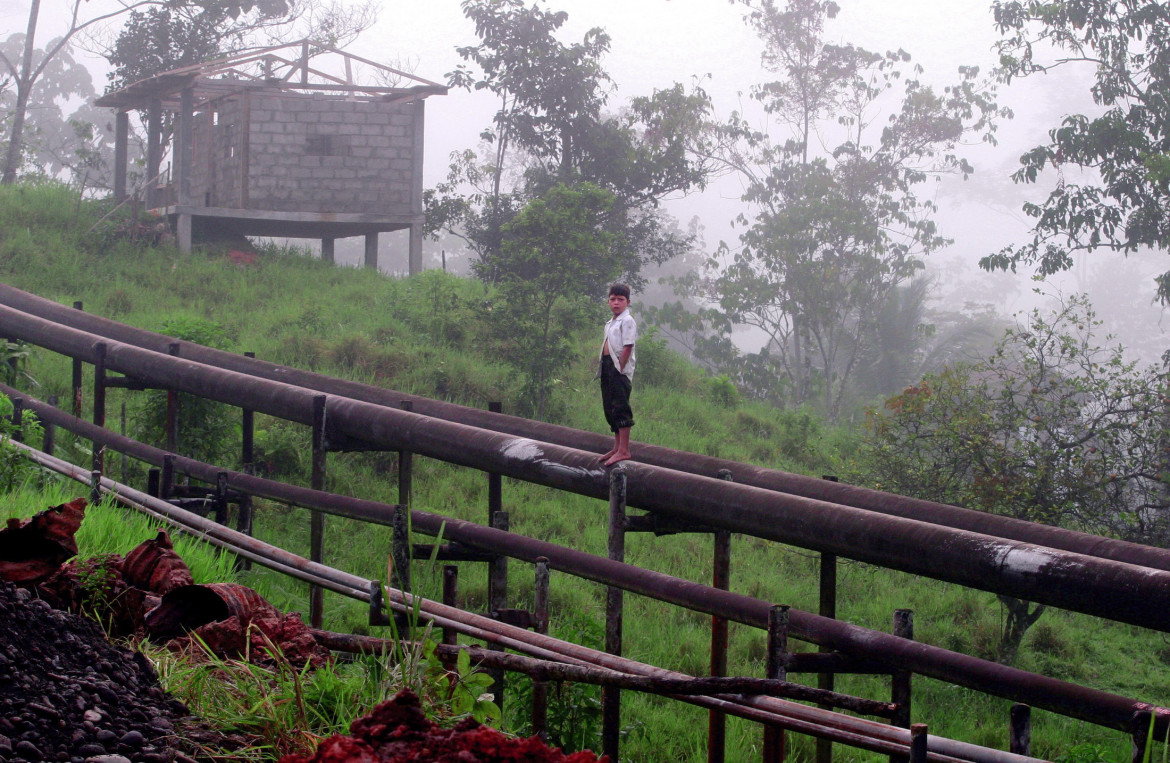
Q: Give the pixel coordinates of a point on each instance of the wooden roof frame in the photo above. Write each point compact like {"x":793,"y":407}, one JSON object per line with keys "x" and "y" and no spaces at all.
{"x":286,"y":68}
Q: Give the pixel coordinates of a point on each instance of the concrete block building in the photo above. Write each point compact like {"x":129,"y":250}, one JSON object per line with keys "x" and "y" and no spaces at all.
{"x":282,"y":142}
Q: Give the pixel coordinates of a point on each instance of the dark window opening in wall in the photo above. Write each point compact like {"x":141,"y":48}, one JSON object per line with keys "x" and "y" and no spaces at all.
{"x":327,"y":145}
{"x":227,"y":139}
{"x":320,"y":145}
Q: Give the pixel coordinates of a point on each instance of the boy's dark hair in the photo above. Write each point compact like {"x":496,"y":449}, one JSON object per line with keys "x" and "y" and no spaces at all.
{"x":619,"y":289}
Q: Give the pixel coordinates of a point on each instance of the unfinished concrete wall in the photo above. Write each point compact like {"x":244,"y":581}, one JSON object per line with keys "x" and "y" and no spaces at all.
{"x":329,"y":154}
{"x":218,"y":162}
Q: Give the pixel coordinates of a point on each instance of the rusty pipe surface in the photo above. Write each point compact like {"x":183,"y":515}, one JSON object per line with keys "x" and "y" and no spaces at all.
{"x":770,"y":479}
{"x":989,"y":677}
{"x":1115,"y":590}
{"x":857,"y":732}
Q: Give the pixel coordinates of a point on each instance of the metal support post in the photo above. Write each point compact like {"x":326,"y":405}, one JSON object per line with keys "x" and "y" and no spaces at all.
{"x":1020,"y":730}
{"x":95,"y":487}
{"x":50,"y":440}
{"x":401,"y":552}
{"x":77,"y":380}
{"x":495,"y":481}
{"x":918,"y":743}
{"x":248,"y":461}
{"x":900,"y":679}
{"x":172,"y":433}
{"x":497,"y":569}
{"x":221,"y":498}
{"x":166,"y":487}
{"x":405,"y":466}
{"x":828,"y":608}
{"x":317,"y":518}
{"x":611,"y":720}
{"x":498,"y":601}
{"x":1139,"y":732}
{"x":498,"y":582}
{"x":450,"y":599}
{"x":379,"y":612}
{"x":99,"y":403}
{"x":777,"y":668}
{"x":721,"y":579}
{"x":124,"y":459}
{"x":540,"y":610}
{"x":153,"y":483}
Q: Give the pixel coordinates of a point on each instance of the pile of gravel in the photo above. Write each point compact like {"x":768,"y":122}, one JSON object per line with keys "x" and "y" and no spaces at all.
{"x":68,"y":694}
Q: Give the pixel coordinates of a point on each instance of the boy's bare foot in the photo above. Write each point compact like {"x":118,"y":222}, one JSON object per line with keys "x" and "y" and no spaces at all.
{"x":607,"y":454}
{"x":619,"y":456}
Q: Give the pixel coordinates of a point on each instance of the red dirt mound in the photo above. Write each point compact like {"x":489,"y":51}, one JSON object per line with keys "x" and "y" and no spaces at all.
{"x":397,"y":731}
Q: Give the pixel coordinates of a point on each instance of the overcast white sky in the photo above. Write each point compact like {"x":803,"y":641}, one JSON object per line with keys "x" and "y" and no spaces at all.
{"x":658,"y":42}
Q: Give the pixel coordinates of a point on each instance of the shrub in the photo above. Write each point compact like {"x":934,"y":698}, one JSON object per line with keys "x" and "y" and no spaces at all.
{"x":205,"y":428}
{"x":14,"y":467}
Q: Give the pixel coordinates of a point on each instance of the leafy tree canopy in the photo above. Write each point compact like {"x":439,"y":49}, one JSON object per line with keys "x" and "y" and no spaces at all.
{"x":1125,"y":205}
{"x":172,"y":34}
{"x":160,"y":38}
{"x":833,"y":231}
{"x":551,"y":129}
{"x":556,"y":254}
{"x":1052,"y":427}
{"x":51,"y":140}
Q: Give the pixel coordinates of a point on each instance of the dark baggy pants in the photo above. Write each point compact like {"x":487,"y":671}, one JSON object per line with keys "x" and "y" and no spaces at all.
{"x":615,"y":396}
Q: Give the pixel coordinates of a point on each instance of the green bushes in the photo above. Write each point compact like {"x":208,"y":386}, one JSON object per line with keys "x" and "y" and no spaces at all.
{"x":206,"y":429}
{"x":14,"y":468}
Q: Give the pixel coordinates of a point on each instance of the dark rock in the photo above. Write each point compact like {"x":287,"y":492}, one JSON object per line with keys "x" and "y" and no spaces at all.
{"x":132,"y":739}
{"x":28,"y":750}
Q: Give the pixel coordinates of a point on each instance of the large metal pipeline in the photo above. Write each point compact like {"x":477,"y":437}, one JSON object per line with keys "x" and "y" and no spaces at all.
{"x":770,"y":479}
{"x":989,"y":677}
{"x":1115,"y":590}
{"x":857,"y":732}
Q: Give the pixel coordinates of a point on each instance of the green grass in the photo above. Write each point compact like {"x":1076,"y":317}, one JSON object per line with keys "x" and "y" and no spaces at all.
{"x":109,"y":528}
{"x":425,"y":335}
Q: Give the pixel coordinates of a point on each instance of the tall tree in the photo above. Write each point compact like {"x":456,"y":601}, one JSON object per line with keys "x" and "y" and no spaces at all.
{"x":836,"y":223}
{"x":560,"y":170}
{"x":548,"y":92}
{"x":28,"y":70}
{"x":550,"y":129}
{"x":555,"y":253}
{"x":1123,"y":202}
{"x":48,"y":137}
{"x":1051,"y":427}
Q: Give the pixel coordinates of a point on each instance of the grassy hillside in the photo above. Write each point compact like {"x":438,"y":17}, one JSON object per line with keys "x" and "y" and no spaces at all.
{"x":426,"y":335}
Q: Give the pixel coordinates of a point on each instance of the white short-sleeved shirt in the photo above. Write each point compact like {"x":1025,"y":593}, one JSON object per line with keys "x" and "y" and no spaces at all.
{"x":619,"y":332}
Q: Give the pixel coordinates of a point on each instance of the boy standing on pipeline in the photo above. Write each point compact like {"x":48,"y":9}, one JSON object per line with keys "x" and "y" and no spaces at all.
{"x":617,"y":373}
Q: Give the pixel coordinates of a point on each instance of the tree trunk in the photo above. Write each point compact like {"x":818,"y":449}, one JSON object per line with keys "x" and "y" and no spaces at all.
{"x":1019,"y":620}
{"x":23,"y":86}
